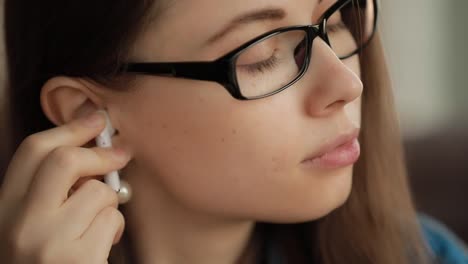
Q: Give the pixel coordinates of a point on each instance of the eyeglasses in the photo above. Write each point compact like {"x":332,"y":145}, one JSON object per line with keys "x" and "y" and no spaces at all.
{"x":275,"y":60}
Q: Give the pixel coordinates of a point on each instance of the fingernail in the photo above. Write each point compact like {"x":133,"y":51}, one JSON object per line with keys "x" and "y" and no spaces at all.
{"x":94,"y":120}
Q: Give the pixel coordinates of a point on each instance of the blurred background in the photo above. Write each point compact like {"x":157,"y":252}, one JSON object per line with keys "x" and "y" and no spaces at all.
{"x":426,"y":43}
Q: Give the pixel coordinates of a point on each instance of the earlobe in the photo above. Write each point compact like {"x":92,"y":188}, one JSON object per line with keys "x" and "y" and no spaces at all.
{"x":64,"y":99}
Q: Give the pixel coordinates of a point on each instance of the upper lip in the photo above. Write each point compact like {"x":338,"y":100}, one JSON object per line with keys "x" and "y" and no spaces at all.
{"x":334,"y":143}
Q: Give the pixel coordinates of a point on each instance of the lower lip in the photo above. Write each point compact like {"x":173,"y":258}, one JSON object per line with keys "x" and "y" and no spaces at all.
{"x":342,"y":156}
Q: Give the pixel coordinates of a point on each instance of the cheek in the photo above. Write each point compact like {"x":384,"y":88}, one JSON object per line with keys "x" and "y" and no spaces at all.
{"x":223,"y":156}
{"x":231,"y":160}
{"x":209,"y":150}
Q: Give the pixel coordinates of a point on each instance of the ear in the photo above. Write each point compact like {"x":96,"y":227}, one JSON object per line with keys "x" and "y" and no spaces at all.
{"x":64,"y":99}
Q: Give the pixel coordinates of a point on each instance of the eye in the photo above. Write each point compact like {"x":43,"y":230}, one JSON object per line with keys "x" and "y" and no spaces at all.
{"x":261,"y":66}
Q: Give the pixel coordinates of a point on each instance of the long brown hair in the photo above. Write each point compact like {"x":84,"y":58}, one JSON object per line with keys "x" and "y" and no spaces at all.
{"x":90,"y":39}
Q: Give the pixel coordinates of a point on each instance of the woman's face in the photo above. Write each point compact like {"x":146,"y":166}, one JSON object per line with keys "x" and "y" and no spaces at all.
{"x":239,"y":159}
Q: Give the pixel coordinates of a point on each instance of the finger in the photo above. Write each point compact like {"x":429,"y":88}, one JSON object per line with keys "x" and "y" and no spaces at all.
{"x":104,"y":231}
{"x":33,"y":150}
{"x":83,"y":206}
{"x":64,"y":166}
{"x":82,"y":181}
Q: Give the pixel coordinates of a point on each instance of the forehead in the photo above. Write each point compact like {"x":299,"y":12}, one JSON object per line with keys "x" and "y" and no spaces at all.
{"x":200,"y":11}
{"x":171,"y":8}
{"x":186,"y":25}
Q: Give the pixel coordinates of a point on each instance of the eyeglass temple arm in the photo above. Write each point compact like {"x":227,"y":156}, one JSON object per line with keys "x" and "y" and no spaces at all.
{"x":205,"y":71}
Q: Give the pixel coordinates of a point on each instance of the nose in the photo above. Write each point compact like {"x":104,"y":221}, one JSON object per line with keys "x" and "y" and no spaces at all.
{"x":331,"y":83}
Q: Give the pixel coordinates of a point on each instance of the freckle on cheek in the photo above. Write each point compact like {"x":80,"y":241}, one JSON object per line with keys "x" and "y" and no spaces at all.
{"x":275,"y":164}
{"x":234,"y":131}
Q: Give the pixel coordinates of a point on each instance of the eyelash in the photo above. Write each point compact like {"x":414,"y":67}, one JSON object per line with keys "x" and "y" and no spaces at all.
{"x":271,"y":62}
{"x":261,"y":66}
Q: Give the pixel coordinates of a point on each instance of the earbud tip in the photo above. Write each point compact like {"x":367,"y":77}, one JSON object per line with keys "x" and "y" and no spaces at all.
{"x":110,"y":129}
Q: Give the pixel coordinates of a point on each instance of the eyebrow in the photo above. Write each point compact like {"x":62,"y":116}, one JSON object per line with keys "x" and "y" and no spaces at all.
{"x":273,"y":14}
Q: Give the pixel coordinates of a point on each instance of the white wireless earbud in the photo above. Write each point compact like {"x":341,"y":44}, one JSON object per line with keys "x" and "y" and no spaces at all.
{"x":112,"y":179}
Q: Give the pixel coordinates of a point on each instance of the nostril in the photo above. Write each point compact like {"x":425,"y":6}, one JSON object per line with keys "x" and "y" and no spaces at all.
{"x":335,"y":105}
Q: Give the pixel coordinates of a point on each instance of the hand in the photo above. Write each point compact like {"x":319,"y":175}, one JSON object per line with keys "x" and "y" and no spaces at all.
{"x":40,"y":222}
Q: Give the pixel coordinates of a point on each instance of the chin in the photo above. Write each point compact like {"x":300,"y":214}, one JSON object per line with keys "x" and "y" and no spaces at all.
{"x":332,"y":194}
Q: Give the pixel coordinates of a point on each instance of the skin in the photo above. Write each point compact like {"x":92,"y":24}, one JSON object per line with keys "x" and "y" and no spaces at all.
{"x":205,"y":166}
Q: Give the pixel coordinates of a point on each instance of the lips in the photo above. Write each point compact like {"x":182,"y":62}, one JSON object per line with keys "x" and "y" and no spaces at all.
{"x":343,"y":150}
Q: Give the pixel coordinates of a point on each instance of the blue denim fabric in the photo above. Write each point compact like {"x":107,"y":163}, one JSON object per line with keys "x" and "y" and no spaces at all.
{"x":443,"y":243}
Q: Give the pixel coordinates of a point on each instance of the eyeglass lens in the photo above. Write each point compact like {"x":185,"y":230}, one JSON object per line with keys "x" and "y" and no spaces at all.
{"x":275,"y":62}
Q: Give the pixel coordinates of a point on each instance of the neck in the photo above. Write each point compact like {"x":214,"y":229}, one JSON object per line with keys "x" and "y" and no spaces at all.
{"x":163,"y":231}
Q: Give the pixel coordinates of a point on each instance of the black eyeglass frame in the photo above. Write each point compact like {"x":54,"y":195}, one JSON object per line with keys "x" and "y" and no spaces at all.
{"x":223,"y":71}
